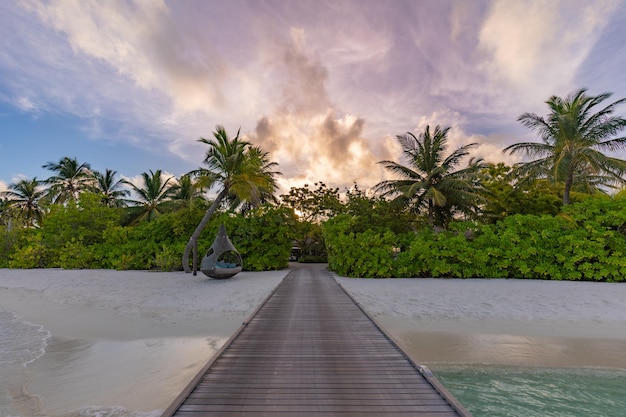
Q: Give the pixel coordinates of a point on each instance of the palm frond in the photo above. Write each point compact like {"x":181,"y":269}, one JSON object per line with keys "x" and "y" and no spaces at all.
{"x":430,"y":179}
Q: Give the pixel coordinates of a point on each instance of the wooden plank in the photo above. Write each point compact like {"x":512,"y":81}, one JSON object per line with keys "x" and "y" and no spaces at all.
{"x":310,"y":350}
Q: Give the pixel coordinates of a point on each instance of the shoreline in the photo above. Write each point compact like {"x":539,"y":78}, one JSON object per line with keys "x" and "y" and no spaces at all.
{"x":439,"y":348}
{"x":500,"y":321}
{"x":114,"y":332}
{"x":121,"y":343}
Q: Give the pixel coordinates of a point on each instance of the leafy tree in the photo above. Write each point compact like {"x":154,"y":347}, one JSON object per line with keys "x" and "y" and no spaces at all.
{"x":431,"y":182}
{"x":358,"y":251}
{"x":109,"y":189}
{"x":25,"y":196}
{"x":151,"y":196}
{"x":375,"y":212}
{"x":574,"y":135}
{"x":71,"y":178}
{"x":313,"y":205}
{"x":501,"y":198}
{"x":243,"y":172}
{"x":72,"y":233}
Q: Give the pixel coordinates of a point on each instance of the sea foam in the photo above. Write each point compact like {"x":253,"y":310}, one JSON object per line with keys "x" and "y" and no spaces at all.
{"x":21,"y":343}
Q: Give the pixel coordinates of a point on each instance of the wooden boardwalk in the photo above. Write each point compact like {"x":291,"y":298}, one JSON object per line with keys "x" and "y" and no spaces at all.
{"x":309,"y":350}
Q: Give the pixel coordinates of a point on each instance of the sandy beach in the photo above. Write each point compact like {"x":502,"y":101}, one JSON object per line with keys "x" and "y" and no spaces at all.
{"x":500,"y":321}
{"x":123,"y":343}
{"x":113,"y":343}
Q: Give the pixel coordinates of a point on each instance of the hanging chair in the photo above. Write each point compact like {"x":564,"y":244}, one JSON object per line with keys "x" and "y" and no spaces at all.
{"x":222,"y":259}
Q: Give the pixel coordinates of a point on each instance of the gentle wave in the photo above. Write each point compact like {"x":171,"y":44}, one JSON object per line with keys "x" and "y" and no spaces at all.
{"x":21,"y":344}
{"x":535,"y":392}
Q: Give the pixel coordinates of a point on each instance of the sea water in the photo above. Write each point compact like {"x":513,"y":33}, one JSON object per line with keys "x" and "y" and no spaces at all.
{"x":21,"y":344}
{"x":494,"y":391}
{"x":484,"y":390}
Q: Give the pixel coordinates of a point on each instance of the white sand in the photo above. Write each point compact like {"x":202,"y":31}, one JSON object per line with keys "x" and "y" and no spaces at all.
{"x":123,"y":344}
{"x":116,"y":343}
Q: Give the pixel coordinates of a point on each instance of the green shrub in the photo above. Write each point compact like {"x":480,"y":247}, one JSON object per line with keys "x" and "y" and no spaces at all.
{"x":75,"y":255}
{"x":31,"y":253}
{"x":370,"y":253}
{"x":168,"y":259}
{"x":586,"y":242}
{"x":263,"y":237}
{"x":8,"y":243}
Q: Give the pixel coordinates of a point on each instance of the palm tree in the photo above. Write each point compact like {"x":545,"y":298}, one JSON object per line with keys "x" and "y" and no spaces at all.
{"x":185,"y":191}
{"x":260,"y":192}
{"x":6,"y":213}
{"x":109,"y":189}
{"x":25,"y":196}
{"x":151,"y":196}
{"x":574,"y":136}
{"x":243,"y":172}
{"x":430,"y":181}
{"x":70,"y":180}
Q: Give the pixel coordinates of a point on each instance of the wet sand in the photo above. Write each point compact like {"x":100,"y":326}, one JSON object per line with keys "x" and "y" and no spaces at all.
{"x":119,"y":344}
{"x":500,"y":322}
{"x":506,"y":348}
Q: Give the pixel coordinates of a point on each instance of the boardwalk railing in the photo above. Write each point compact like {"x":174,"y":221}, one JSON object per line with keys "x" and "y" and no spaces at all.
{"x":310,"y":350}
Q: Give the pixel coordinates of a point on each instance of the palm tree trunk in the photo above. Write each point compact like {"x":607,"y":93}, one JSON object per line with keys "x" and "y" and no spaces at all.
{"x":195,"y":258}
{"x":568,"y":186}
{"x":193,"y":240}
{"x":431,"y":213}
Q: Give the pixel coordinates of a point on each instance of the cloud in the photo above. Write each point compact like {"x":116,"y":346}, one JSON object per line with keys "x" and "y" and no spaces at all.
{"x":306,"y":134}
{"x":303,"y":80}
{"x":323,"y":147}
{"x":14,"y":180}
{"x":25,"y":104}
{"x":537,"y":46}
{"x":65,"y":58}
{"x":140,"y":72}
{"x":140,"y":42}
{"x":324,"y":86}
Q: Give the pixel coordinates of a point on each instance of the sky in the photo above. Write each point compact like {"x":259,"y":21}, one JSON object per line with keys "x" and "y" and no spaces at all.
{"x":324,"y":86}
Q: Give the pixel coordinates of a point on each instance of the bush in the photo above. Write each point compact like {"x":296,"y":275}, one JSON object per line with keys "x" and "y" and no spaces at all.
{"x":586,"y":242}
{"x":32,"y":253}
{"x":168,"y":259}
{"x":263,"y":237}
{"x":8,"y":243}
{"x":369,"y":253}
{"x":75,"y":255}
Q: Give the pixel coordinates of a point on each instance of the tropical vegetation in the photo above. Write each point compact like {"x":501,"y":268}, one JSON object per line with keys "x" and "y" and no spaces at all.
{"x":574,"y":137}
{"x":560,"y":215}
{"x":23,"y":202}
{"x":430,"y":180}
{"x":244,"y":173}
{"x":69,"y":180}
{"x":152,"y":194}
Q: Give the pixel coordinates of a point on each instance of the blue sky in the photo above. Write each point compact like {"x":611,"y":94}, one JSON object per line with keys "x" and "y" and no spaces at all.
{"x":325,"y":86}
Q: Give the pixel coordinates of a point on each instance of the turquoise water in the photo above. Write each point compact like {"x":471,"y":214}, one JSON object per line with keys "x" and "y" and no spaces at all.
{"x":492,"y":391}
